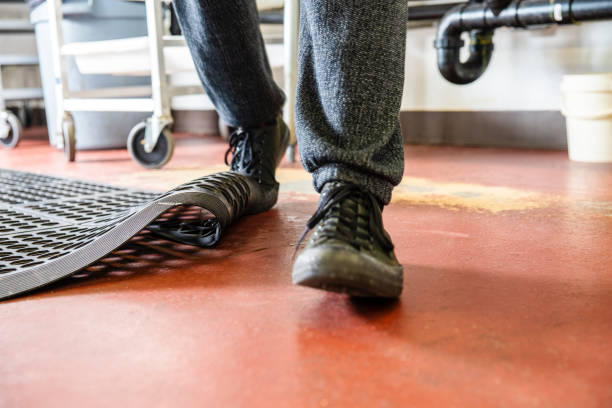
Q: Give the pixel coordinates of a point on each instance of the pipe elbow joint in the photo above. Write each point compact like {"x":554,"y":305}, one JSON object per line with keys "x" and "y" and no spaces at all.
{"x":448,"y":43}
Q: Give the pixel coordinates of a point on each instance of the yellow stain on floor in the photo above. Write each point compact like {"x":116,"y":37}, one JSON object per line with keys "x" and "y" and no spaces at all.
{"x":453,"y":196}
{"x":475,"y":197}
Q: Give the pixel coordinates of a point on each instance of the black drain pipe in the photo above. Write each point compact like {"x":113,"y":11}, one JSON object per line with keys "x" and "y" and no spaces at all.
{"x":430,"y":11}
{"x":481,"y":22}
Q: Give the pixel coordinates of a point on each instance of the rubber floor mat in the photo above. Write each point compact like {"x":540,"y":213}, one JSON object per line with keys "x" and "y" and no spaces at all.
{"x":52,"y":227}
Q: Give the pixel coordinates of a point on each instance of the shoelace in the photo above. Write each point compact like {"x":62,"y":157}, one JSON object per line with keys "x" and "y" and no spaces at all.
{"x":241,"y":146}
{"x":335,"y":196}
{"x":207,"y":231}
{"x":204,"y":233}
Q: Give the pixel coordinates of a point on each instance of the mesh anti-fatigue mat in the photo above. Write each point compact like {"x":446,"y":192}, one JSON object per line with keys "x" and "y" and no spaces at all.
{"x":51,"y":227}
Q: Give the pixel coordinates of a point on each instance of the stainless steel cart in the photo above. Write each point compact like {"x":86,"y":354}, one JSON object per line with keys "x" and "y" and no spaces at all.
{"x":150,"y":142}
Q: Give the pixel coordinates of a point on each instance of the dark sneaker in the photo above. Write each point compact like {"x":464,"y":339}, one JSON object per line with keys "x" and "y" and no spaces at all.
{"x":256,"y":152}
{"x":349,"y":251}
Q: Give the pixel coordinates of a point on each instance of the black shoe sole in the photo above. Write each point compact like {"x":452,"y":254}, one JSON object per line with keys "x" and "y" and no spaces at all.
{"x":346,"y":270}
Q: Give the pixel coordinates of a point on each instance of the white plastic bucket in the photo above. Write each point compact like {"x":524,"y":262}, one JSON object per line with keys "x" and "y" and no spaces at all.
{"x":587,"y":106}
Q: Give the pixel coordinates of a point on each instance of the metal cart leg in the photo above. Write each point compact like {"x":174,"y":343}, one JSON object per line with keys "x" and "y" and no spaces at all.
{"x":151,"y":143}
{"x":291,"y":34}
{"x":162,"y":117}
{"x":64,"y":137}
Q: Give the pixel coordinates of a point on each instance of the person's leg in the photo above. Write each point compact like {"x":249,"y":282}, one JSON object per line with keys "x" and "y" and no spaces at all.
{"x":229,"y":54}
{"x":351,"y":64}
{"x":227,"y":47}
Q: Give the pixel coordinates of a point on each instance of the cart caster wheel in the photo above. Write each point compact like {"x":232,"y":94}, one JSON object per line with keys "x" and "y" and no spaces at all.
{"x":69,"y":138}
{"x":10,"y":130}
{"x":160,"y":155}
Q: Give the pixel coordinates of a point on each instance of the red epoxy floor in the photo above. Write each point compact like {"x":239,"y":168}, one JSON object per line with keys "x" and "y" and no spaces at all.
{"x":507,"y":299}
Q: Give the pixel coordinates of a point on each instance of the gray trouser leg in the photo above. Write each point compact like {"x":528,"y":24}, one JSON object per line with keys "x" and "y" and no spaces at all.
{"x":228,"y":50}
{"x":351,"y":65}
